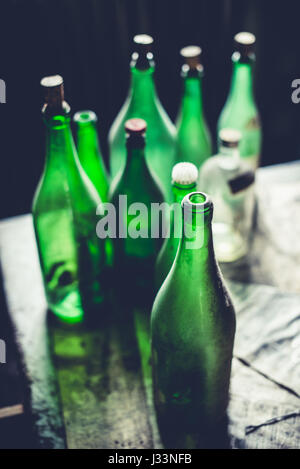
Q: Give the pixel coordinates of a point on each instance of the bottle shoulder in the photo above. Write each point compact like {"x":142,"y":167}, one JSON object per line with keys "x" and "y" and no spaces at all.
{"x":158,"y":121}
{"x":238,"y":114}
{"x":66,"y":188}
{"x":192,"y":315}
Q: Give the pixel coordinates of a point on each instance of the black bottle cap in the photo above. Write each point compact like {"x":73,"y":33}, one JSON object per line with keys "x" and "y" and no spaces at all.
{"x":244,"y":44}
{"x":142,"y":56}
{"x":230,"y":138}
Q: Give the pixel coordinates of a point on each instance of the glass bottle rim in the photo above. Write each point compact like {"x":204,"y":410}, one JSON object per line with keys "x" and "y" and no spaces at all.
{"x":197,"y":202}
{"x":85,"y":117}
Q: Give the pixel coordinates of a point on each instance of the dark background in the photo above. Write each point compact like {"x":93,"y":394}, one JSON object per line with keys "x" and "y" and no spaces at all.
{"x":89,"y":42}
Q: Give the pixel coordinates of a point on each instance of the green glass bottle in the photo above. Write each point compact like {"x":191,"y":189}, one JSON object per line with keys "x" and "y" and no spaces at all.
{"x":240,"y":110}
{"x":192,"y":333}
{"x":64,"y":214}
{"x":184,"y":181}
{"x":142,"y":102}
{"x":137,"y":240}
{"x":89,"y":151}
{"x":193,"y":137}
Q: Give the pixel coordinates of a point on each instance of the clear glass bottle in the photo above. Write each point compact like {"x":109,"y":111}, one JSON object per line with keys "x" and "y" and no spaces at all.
{"x":229,"y":180}
{"x":143,"y":102}
{"x":240,"y":111}
{"x":193,"y":137}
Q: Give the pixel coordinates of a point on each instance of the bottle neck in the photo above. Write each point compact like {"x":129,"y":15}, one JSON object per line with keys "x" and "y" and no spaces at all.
{"x":196,"y":233}
{"x":142,"y":91}
{"x":60,"y":145}
{"x":229,"y":158}
{"x":192,"y":102}
{"x":87,"y":139}
{"x":180,"y":191}
{"x":136,"y":161}
{"x":242,"y":79}
{"x":196,"y":253}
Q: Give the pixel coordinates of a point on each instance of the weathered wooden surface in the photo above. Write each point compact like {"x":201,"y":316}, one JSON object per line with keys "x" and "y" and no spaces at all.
{"x":103,"y":378}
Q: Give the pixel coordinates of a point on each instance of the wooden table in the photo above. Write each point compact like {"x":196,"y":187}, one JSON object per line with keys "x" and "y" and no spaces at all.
{"x":92,"y":389}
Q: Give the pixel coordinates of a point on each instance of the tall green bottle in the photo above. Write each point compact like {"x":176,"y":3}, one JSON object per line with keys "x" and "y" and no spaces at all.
{"x":137,"y":239}
{"x":192,"y":333}
{"x":184,"y":181}
{"x":143,"y":102}
{"x":193,"y":137}
{"x":89,"y":151}
{"x":240,"y":110}
{"x":64,"y":215}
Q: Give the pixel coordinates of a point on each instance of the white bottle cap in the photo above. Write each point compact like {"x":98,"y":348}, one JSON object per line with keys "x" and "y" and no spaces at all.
{"x":184,"y":174}
{"x":245,"y":39}
{"x":230,"y":137}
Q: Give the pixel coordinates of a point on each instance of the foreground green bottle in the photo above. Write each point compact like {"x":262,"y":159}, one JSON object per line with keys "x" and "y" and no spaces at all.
{"x":193,"y":137}
{"x":240,"y":110}
{"x":184,"y":181}
{"x":192,"y":332}
{"x":142,"y":102}
{"x":64,"y":214}
{"x":89,"y":151}
{"x":137,"y":239}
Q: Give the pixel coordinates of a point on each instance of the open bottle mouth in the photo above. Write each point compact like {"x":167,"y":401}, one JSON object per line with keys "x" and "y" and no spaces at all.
{"x":85,"y":117}
{"x":197,"y":202}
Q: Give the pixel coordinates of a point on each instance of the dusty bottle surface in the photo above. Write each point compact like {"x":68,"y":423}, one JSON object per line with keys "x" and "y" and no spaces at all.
{"x":192,"y":333}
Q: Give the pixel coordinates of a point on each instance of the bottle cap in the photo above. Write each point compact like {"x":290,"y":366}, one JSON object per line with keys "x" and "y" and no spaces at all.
{"x":142,"y":58}
{"x":135,"y":126}
{"x":54,"y":90}
{"x":143,"y":40}
{"x":184,"y":174}
{"x":55,"y":104}
{"x":244,"y":43}
{"x":230,"y":138}
{"x":85,"y":117}
{"x":191,"y":55}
